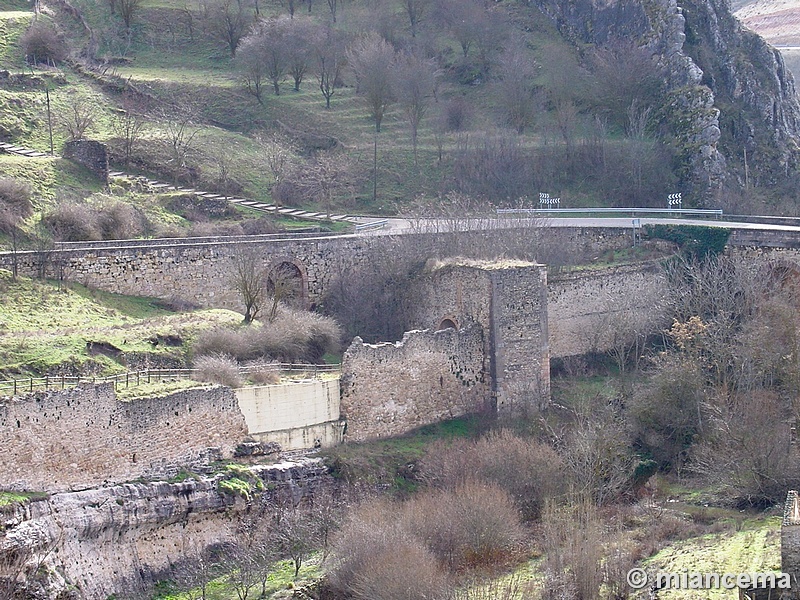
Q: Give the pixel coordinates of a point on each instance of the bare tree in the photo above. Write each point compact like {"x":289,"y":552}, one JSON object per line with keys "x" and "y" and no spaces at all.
{"x":270,"y":49}
{"x":282,"y":286}
{"x":330,"y":59}
{"x":295,"y":534}
{"x":252,"y":65}
{"x":414,"y":87}
{"x":299,"y":49}
{"x":129,"y":124}
{"x":248,"y":280}
{"x":128,"y":10}
{"x":291,"y":6}
{"x":517,"y":98}
{"x":416,"y":11}
{"x":79,"y":118}
{"x":333,"y":6}
{"x":278,"y":152}
{"x":372,"y":60}
{"x":227,"y":21}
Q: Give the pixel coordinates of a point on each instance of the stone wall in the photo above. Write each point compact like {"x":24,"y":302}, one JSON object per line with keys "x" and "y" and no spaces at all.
{"x":430,"y":376}
{"x":587,"y":308}
{"x":91,"y":155}
{"x":295,"y":415}
{"x":75,"y":438}
{"x":508,"y":300}
{"x":790,"y":538}
{"x":199,"y":271}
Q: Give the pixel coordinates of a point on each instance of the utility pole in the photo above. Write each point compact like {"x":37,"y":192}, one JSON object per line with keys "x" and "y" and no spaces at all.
{"x":49,"y":118}
{"x":375,"y":165}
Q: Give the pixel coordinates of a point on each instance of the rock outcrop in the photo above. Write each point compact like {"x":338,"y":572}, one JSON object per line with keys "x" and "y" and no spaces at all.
{"x":88,"y":545}
{"x":726,"y":88}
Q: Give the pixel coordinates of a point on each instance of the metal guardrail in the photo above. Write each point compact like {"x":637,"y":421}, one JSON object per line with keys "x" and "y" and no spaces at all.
{"x":624,"y":211}
{"x":133,"y":378}
{"x":372,"y":226}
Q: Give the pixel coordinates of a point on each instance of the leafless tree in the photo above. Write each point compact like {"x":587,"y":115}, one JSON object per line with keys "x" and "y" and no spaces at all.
{"x":79,"y":118}
{"x":128,"y":10}
{"x":291,"y":6}
{"x":179,"y":122}
{"x":414,"y":87}
{"x":333,"y":6}
{"x":227,"y":21}
{"x":272,"y":49}
{"x":129,"y":124}
{"x":299,"y":49}
{"x":294,"y":532}
{"x":248,"y":280}
{"x":252,"y":65}
{"x":283,"y":285}
{"x":372,"y":60}
{"x":517,"y":97}
{"x":416,"y":11}
{"x":278,"y":153}
{"x":330,"y":59}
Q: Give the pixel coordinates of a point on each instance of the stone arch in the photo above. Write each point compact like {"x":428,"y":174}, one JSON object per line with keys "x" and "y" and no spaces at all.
{"x":289,"y":278}
{"x":448,"y":322}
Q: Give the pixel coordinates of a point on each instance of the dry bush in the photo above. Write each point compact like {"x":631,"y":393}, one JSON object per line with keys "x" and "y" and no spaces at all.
{"x":294,"y":336}
{"x":573,"y":539}
{"x":531,"y":472}
{"x":71,"y":222}
{"x":218,"y":368}
{"x":42,"y":43}
{"x":474,"y":525}
{"x":121,"y":221}
{"x":510,"y":589}
{"x":15,"y":203}
{"x":264,"y":374}
{"x":374,"y":558}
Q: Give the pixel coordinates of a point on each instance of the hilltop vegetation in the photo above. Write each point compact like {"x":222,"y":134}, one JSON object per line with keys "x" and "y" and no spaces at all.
{"x":486,"y":102}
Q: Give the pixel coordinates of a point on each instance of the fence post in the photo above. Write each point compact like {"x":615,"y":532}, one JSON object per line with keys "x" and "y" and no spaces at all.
{"x":15,"y":387}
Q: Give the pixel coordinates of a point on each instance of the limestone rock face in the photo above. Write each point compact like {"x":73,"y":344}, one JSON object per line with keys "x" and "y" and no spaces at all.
{"x":727,"y":89}
{"x":90,"y":544}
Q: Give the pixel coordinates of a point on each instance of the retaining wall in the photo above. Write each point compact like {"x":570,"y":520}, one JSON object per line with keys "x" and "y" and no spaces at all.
{"x":296,"y":415}
{"x":76,"y":438}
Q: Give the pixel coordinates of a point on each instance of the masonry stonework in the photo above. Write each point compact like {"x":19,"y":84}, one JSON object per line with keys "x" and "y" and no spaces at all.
{"x":586,"y":307}
{"x":429,"y":376}
{"x":198,"y":271}
{"x":90,"y":154}
{"x":72,"y":439}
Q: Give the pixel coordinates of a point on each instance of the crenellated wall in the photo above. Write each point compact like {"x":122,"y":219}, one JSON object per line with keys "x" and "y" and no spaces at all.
{"x":429,"y":376}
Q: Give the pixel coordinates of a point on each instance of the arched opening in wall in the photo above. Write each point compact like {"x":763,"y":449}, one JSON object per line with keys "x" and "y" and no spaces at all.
{"x":447,"y":323}
{"x":286,"y":283}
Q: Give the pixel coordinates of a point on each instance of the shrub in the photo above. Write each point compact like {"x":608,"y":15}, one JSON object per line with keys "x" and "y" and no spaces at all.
{"x":220,"y":369}
{"x":474,"y":525}
{"x":294,"y":336}
{"x":374,"y":558}
{"x":120,"y":221}
{"x":531,"y":472}
{"x":43,"y":44}
{"x":71,"y":222}
{"x":15,"y":203}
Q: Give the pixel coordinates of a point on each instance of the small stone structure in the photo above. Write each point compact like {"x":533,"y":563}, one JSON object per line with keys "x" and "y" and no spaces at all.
{"x":790,"y":540}
{"x":90,"y":154}
{"x":391,"y":388}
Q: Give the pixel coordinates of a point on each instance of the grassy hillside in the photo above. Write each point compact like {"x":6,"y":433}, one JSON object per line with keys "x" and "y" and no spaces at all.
{"x":45,"y":330}
{"x":177,"y":67}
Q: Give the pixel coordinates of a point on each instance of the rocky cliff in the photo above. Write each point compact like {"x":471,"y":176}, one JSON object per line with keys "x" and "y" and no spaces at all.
{"x":117,"y":540}
{"x":729,"y":104}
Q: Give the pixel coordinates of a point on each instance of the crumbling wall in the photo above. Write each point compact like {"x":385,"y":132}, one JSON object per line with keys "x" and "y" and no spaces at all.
{"x":76,"y":438}
{"x":429,"y":376}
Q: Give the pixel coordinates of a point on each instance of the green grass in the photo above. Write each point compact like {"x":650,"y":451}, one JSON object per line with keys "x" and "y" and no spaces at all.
{"x":756,"y":548}
{"x":45,"y":330}
{"x":279,"y":582}
{"x":9,"y":498}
